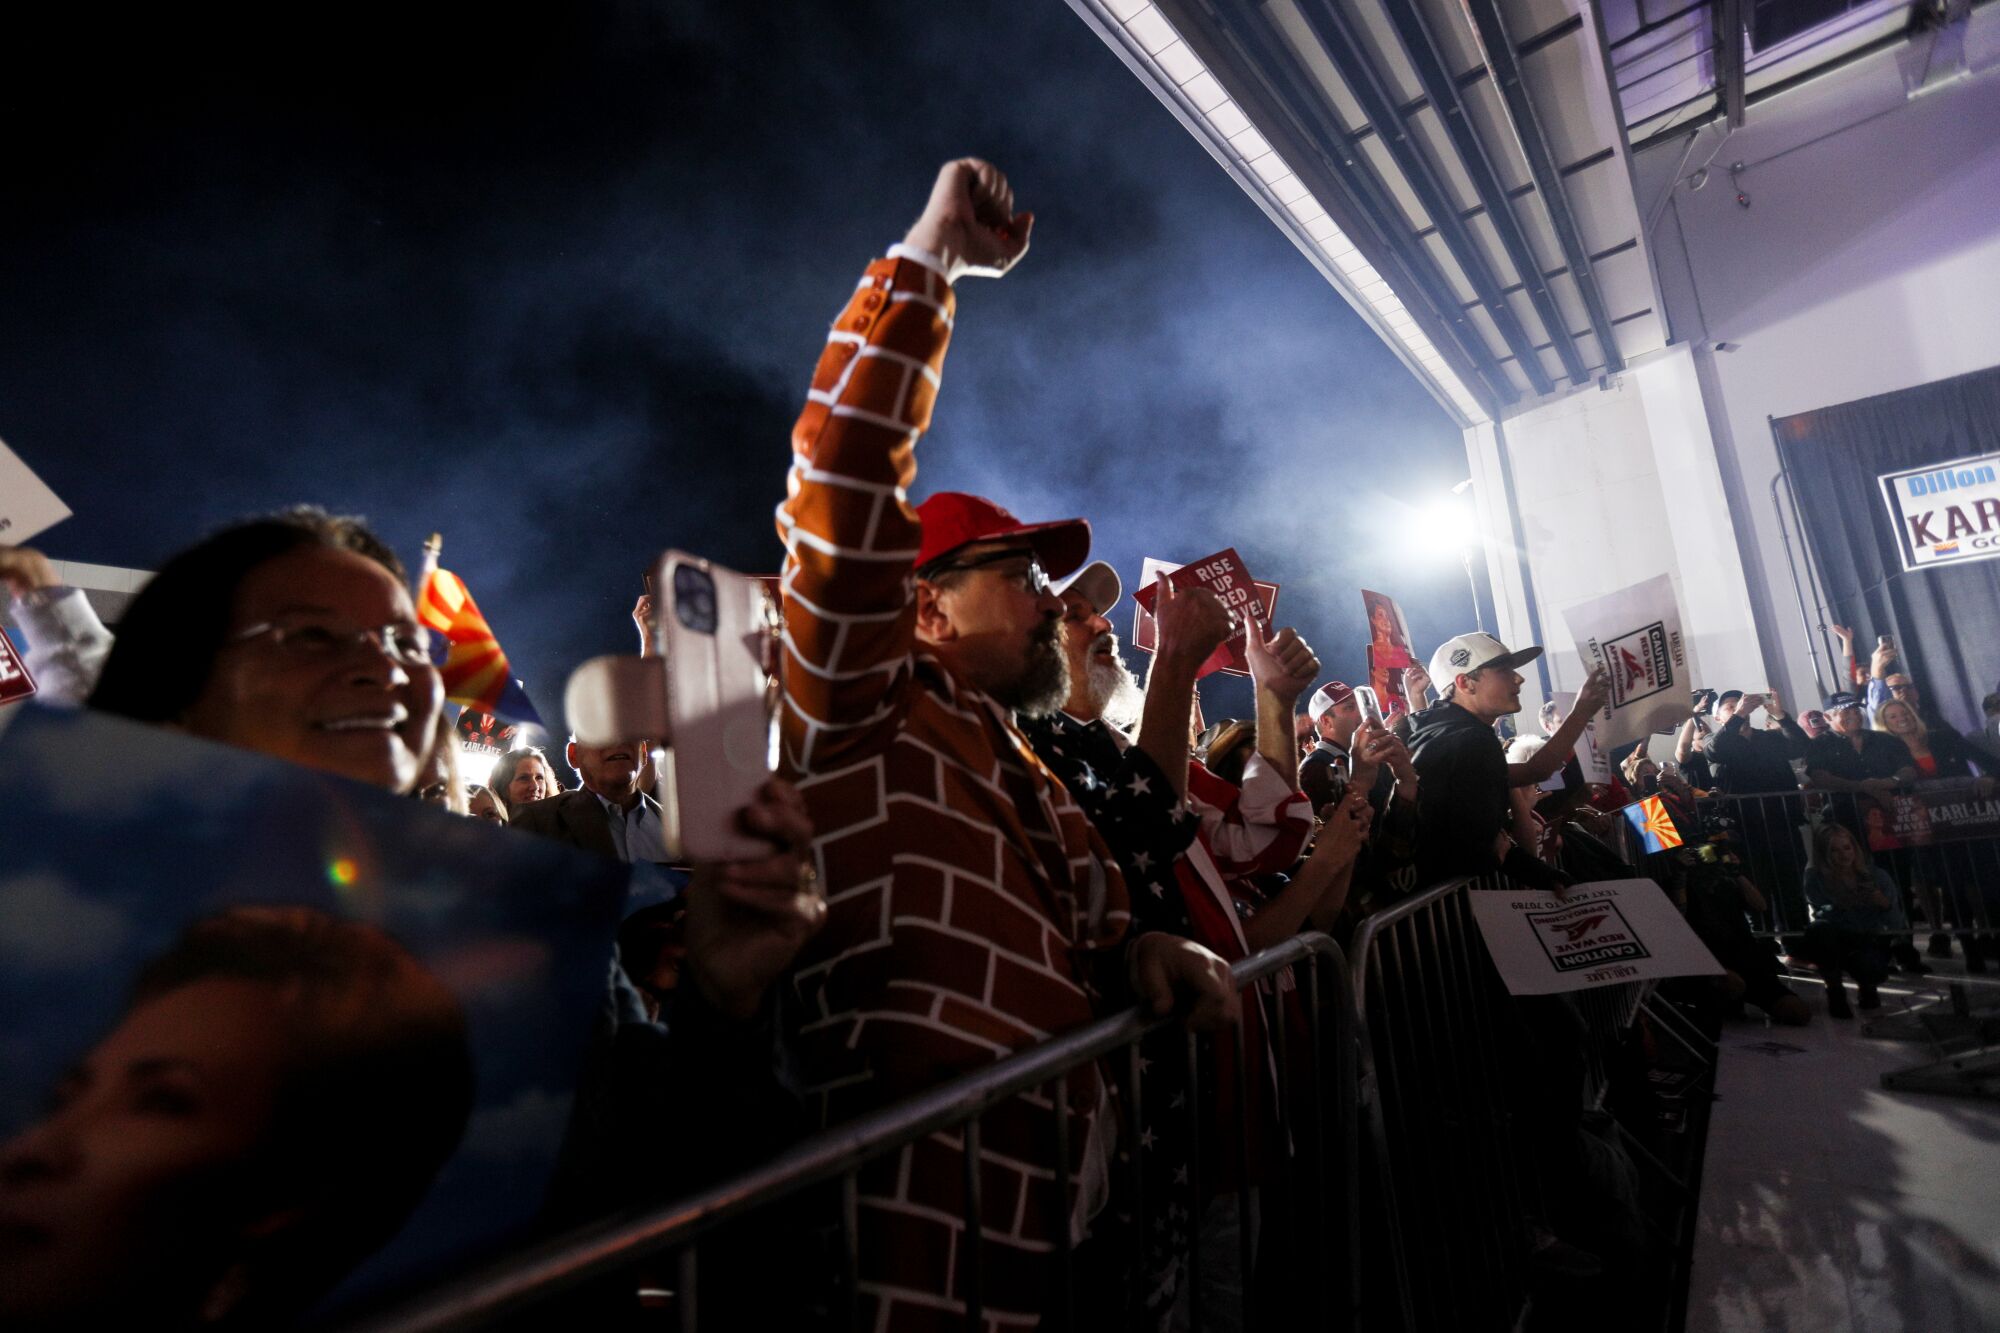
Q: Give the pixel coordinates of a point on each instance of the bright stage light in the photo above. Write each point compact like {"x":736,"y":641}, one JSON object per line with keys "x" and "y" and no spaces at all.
{"x":1445,"y":526}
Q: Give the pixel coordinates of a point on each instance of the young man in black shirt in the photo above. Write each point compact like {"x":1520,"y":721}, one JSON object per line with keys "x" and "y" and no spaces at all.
{"x":1464,"y":797}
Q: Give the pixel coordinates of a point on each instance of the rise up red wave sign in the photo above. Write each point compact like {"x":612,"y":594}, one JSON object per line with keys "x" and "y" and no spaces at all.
{"x":15,"y":682}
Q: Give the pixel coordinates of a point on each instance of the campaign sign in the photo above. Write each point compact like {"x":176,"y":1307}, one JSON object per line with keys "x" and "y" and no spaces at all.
{"x":15,"y":682}
{"x":1948,"y":810}
{"x":1635,"y":635}
{"x":1388,"y":651}
{"x":1590,"y":756}
{"x":255,"y":1001}
{"x":1945,"y":513}
{"x":27,"y":506}
{"x":1599,"y":934}
{"x":484,"y":737}
{"x":1224,"y":575}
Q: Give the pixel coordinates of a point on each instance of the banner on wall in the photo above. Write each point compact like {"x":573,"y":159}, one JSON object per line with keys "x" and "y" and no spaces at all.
{"x":1945,"y":513}
{"x":1635,"y":635}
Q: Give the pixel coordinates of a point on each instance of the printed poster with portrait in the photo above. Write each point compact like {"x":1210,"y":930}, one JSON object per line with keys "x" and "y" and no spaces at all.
{"x":1634,"y":634}
{"x":1388,"y":651}
{"x":253,"y":1000}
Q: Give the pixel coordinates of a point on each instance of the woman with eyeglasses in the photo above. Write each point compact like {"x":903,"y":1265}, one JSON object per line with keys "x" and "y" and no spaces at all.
{"x":293,"y":635}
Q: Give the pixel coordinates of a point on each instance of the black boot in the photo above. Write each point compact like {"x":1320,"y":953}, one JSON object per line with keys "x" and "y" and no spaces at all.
{"x":1940,"y":945}
{"x":1907,"y":958}
{"x":1867,"y":996}
{"x":1975,"y":953}
{"x":1836,"y":995}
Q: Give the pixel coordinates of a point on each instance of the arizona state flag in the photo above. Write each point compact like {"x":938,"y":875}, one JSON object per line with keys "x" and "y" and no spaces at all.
{"x":1653,"y":824}
{"x":475,"y":668}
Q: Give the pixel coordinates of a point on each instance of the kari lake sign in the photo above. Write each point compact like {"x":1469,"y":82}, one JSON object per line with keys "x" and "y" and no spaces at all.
{"x":1946,"y":513}
{"x":1596,"y":934}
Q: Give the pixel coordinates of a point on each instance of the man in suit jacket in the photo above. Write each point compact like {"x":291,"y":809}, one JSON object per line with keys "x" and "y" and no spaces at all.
{"x":611,"y":814}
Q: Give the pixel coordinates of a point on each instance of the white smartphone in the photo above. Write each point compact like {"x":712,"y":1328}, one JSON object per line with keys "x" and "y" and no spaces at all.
{"x":721,"y":706}
{"x":708,"y":699}
{"x":1370,"y":706}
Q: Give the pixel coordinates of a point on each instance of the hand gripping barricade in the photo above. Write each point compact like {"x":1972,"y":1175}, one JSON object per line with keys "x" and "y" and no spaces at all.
{"x":1445,"y":1052}
{"x":1316,"y":1105}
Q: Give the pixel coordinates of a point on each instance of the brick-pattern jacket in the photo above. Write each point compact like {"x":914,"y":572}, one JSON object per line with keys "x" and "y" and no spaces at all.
{"x":970,"y":900}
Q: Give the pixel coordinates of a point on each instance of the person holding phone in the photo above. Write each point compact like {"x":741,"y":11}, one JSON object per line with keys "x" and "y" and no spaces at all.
{"x":1745,"y":759}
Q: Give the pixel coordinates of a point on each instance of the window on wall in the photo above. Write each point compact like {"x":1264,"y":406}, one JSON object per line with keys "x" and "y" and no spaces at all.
{"x":1775,"y":21}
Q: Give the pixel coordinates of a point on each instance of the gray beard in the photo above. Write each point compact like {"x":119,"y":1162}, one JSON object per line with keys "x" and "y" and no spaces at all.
{"x":1043,"y":684}
{"x":1112,"y":690}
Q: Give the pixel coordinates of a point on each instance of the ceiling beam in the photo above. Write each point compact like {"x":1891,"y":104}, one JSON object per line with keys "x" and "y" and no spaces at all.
{"x":1498,"y":47}
{"x":1343,"y":46}
{"x":1241,"y":56}
{"x":1420,"y":48}
{"x":1729,"y":60}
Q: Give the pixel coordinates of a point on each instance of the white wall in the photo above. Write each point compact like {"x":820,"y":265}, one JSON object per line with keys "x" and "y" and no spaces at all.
{"x":1616,"y":486}
{"x":1866,"y":260}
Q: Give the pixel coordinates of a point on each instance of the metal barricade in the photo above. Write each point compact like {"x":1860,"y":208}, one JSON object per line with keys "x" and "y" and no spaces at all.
{"x":1442,"y":1045}
{"x":1316,"y":1117}
{"x":1953,"y":885}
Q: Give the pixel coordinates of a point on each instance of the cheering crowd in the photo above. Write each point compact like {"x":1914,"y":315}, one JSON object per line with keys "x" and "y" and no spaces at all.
{"x":984,"y":832}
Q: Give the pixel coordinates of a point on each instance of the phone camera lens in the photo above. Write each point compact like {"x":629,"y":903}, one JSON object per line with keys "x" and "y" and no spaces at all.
{"x":694,"y":599}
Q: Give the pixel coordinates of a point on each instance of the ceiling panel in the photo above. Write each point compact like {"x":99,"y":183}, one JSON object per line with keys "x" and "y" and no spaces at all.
{"x":1488,"y":114}
{"x":1427,"y":128}
{"x":1625,"y":283}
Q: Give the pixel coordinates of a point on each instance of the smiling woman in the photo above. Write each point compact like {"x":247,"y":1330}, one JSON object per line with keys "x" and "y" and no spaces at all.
{"x":293,"y":635}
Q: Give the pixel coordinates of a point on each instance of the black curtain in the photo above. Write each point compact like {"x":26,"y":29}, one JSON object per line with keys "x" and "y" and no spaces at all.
{"x":1946,"y":621}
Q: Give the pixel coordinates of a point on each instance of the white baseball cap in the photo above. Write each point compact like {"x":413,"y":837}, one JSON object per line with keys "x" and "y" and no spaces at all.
{"x":1327,"y":698}
{"x":1098,"y":584}
{"x":1471,"y":652}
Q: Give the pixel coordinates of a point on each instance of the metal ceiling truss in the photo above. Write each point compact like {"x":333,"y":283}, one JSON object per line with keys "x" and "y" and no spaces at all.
{"x":1498,"y":48}
{"x":1421,"y":49}
{"x":1345,"y":48}
{"x":1241,"y":48}
{"x":1729,"y":60}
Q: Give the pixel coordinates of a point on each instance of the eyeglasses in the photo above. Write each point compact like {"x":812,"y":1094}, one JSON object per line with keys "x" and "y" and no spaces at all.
{"x":405,"y":645}
{"x":1033,"y":578}
{"x":1904,"y":688}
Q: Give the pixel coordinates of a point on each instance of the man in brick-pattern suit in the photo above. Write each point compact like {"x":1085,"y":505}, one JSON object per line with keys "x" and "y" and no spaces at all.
{"x":973,"y":910}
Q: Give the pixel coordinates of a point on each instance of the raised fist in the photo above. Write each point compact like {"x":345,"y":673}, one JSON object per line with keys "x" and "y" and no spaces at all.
{"x":970,"y":223}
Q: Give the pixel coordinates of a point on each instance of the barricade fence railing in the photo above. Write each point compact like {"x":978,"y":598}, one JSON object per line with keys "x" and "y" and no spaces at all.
{"x":1316,"y":1130}
{"x":1950,"y":876}
{"x":1417,"y":1042}
{"x":1459,"y":1080}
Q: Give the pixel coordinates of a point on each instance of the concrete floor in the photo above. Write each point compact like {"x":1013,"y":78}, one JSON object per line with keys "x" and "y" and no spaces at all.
{"x":1829,"y":1204}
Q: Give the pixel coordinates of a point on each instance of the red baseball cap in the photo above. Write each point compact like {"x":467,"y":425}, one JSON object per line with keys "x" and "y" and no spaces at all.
{"x":953,"y":519}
